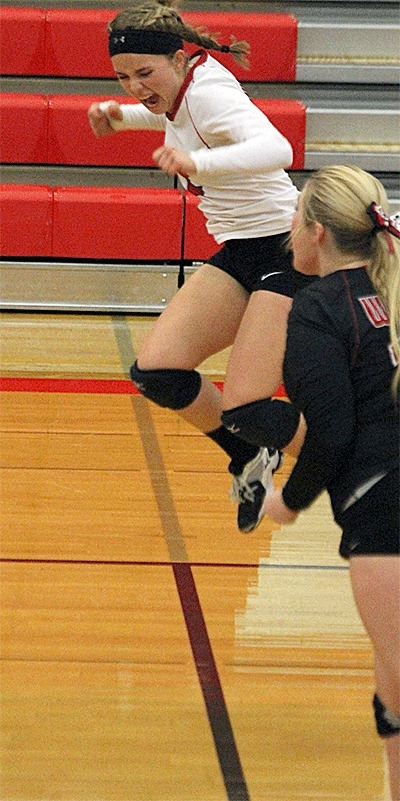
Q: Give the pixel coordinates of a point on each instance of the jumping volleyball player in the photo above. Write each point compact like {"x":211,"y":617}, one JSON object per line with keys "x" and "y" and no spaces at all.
{"x":227,"y":152}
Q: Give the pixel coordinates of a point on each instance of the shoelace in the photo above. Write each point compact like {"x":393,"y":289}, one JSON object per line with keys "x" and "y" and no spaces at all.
{"x":241,"y":491}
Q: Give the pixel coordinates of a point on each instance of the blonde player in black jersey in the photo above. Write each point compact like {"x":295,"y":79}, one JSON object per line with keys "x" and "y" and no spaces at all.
{"x":341,"y":369}
{"x":227,"y":152}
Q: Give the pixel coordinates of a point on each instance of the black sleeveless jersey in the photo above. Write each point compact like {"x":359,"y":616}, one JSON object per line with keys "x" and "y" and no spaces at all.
{"x":338,"y":371}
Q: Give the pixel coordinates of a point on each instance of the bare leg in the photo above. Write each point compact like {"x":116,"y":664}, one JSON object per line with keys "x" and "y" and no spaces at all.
{"x":393,"y":757}
{"x":201,"y":319}
{"x":205,"y":412}
{"x":255,"y":364}
{"x":376,"y":583}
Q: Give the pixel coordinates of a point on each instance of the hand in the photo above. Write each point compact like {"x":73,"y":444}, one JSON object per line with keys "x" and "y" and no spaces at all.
{"x":277,"y":510}
{"x":173,"y":161}
{"x":100,"y":115}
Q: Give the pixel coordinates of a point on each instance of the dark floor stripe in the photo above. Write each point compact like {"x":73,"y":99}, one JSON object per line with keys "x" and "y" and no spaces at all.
{"x":207,"y":672}
{"x":210,"y":684}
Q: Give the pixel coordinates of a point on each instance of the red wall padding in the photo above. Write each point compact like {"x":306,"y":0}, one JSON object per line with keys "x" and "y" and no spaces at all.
{"x":71,"y":140}
{"x":289,"y":117}
{"x":116,"y":223}
{"x":100,"y":223}
{"x":22,"y":40}
{"x":137,"y":224}
{"x":75,"y":42}
{"x":26,"y":220}
{"x":272,"y":39}
{"x":23,"y":128}
{"x":55,"y":130}
{"x":197,"y":239}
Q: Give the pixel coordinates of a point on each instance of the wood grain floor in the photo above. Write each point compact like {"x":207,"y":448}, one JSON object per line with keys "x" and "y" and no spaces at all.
{"x":150,"y":651}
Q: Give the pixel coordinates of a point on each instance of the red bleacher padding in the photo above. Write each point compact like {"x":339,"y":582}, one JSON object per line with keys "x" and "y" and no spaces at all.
{"x":55,"y":130}
{"x":26,"y":220}
{"x":76,"y":42}
{"x":71,"y":140}
{"x":289,"y":117}
{"x":272,"y":39}
{"x":199,"y":244}
{"x":23,"y":128}
{"x":135,"y":224}
{"x":22,"y":40}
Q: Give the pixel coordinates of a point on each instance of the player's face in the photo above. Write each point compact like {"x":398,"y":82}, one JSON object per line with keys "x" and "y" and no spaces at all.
{"x":154,"y":80}
{"x":303,"y":241}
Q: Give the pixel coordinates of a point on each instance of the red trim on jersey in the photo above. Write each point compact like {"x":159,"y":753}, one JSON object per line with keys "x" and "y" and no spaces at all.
{"x":203,"y":56}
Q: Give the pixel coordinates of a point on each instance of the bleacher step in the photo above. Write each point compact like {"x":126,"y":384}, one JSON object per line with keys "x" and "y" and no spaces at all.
{"x":107,"y":288}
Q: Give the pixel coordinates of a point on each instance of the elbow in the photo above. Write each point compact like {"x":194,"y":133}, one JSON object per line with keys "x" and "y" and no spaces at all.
{"x":287,"y":155}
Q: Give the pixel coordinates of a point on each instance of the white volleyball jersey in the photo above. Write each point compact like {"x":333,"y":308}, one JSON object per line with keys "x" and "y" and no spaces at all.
{"x":240,"y":157}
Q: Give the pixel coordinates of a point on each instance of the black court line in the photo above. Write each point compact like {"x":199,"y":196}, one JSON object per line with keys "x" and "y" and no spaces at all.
{"x":213,"y":695}
{"x":218,"y":715}
{"x":145,"y":563}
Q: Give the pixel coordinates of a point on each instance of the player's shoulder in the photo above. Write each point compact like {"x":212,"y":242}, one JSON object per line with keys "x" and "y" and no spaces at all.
{"x":213,"y":77}
{"x":332,"y":298}
{"x":338,"y":283}
{"x":315,"y":301}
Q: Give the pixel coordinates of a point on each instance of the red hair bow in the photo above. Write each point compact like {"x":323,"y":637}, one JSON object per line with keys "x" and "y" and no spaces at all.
{"x":382,"y":222}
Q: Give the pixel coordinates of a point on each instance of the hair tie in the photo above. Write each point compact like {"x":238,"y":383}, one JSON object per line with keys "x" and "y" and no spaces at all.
{"x":382,"y":222}
{"x":225,"y":49}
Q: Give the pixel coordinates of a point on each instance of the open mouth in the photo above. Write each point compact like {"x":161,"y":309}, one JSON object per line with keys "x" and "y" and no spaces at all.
{"x":150,"y":102}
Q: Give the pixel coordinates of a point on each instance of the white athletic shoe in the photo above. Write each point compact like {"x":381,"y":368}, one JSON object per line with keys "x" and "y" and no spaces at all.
{"x":252,"y":485}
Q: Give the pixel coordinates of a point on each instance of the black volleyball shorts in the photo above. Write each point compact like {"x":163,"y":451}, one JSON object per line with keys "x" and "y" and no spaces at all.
{"x":370,"y":526}
{"x":261,"y":263}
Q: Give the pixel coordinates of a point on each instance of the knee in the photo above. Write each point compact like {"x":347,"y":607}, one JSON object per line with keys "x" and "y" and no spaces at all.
{"x":267,"y":423}
{"x":170,"y":388}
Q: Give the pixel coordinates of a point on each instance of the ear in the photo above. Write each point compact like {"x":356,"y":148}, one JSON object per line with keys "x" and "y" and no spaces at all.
{"x":180,"y":59}
{"x":319,"y":232}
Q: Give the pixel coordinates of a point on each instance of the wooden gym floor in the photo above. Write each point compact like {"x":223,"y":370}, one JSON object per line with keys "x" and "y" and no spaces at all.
{"x":150,"y":651}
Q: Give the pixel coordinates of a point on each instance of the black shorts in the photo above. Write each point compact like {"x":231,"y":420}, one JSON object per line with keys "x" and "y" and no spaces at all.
{"x":261,"y":263}
{"x":371,"y":524}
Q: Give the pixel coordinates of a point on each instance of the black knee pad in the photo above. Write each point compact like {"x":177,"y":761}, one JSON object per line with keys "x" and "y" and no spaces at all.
{"x":269,"y":423}
{"x":387,"y":722}
{"x":173,"y":389}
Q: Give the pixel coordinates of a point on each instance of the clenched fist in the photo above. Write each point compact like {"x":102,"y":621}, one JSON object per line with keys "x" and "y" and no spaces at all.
{"x":101,"y":116}
{"x":173,"y":161}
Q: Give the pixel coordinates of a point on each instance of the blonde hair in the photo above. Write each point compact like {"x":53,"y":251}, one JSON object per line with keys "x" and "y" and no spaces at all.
{"x":161,"y":15}
{"x":338,"y":197}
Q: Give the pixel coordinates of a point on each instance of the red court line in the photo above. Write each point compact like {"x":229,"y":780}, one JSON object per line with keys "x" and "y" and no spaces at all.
{"x":93,"y":386}
{"x":74,"y":385}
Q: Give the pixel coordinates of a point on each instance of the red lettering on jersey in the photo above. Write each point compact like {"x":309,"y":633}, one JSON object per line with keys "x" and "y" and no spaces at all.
{"x":375,"y":310}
